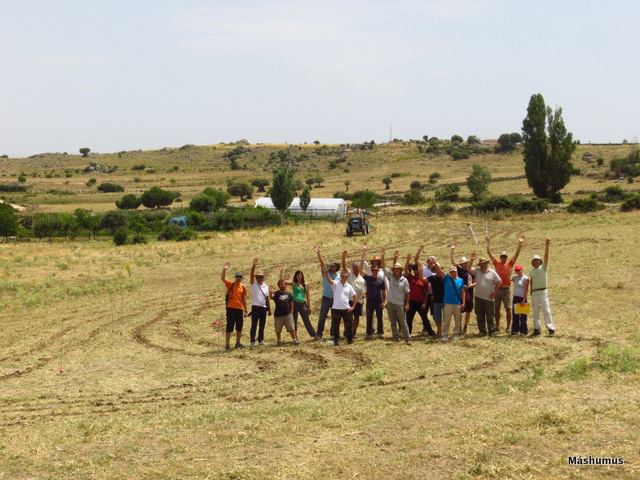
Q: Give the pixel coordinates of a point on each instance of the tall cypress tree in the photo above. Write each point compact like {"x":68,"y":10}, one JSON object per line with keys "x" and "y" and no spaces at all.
{"x":282,"y":189}
{"x":546,"y":157}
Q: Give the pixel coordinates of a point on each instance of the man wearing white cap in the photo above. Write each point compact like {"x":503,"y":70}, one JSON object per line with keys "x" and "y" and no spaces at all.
{"x":453,"y":301}
{"x":397,"y":300}
{"x":539,"y":292}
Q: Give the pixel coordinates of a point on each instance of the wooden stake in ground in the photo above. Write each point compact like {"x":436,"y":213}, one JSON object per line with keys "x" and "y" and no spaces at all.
{"x":470,"y":231}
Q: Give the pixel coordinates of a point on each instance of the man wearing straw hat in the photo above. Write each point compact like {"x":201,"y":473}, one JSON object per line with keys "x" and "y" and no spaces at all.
{"x":539,"y":292}
{"x":260,"y":305}
{"x":397,"y":300}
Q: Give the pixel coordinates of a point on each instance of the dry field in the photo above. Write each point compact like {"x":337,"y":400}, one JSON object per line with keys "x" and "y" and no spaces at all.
{"x":110,"y":366}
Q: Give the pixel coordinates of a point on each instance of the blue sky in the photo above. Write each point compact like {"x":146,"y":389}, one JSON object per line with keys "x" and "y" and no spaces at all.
{"x":116,"y":75}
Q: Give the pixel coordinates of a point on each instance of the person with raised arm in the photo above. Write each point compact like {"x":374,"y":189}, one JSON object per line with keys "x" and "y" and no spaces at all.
{"x":397,"y":299}
{"x":463,"y":273}
{"x":503,"y":268}
{"x":539,"y":292}
{"x":418,"y":295}
{"x":341,"y":309}
{"x":282,"y":316}
{"x":327,"y":292}
{"x":453,"y":301}
{"x":357,"y":282}
{"x":487,"y":285}
{"x":376,"y":294}
{"x":301,"y":303}
{"x":260,"y":305}
{"x":236,"y":306}
{"x":520,"y":294}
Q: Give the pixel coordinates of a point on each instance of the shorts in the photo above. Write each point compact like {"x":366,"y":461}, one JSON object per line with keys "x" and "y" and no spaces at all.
{"x":468,"y":300}
{"x":503,"y":297}
{"x":286,"y":321}
{"x":357,"y":311}
{"x":235,"y":318}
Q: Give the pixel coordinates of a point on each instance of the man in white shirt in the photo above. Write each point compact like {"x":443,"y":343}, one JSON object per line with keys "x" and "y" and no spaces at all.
{"x":487,"y":285}
{"x":344,"y":300}
{"x":260,"y":305}
{"x":397,"y":300}
{"x":356,"y":280}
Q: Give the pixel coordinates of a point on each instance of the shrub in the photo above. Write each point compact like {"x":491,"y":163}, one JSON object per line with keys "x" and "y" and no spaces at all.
{"x":129,"y":202}
{"x":243,"y":217}
{"x":112,"y":221}
{"x":174,"y":232}
{"x":220,"y":196}
{"x":22,"y":178}
{"x":387,"y":181}
{"x":240,"y":189}
{"x":631,"y":203}
{"x":139,"y":167}
{"x":515,"y":203}
{"x":8,"y":221}
{"x":364,"y":199}
{"x":478,"y":181}
{"x":629,"y":166}
{"x":433,"y":178}
{"x":343,"y":195}
{"x":55,"y":225}
{"x":91,"y":182}
{"x":612,"y":194}
{"x":448,"y":193}
{"x":260,"y":183}
{"x":108,"y":187}
{"x":120,"y":236}
{"x":138,"y":238}
{"x":600,"y":161}
{"x":12,"y":187}
{"x":203,"y":203}
{"x":413,"y":197}
{"x":415,"y":184}
{"x":443,"y":208}
{"x":584,"y":205}
{"x":156,"y":197}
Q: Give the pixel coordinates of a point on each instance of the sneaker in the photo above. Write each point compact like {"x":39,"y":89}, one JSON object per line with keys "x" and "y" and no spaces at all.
{"x":349,"y":342}
{"x":444,"y":339}
{"x":456,"y":338}
{"x":432,"y":334}
{"x":551,"y":333}
{"x":381,"y":336}
{"x":523,"y":334}
{"x":514,"y":334}
{"x":263,"y":344}
{"x":253,"y":344}
{"x":239,"y":345}
{"x":535,"y":333}
{"x":227,"y":348}
{"x":317,"y":339}
{"x":331,"y":342}
{"x":368,"y":337}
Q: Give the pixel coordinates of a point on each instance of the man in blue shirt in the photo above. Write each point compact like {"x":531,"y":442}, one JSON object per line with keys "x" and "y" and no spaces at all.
{"x":453,"y":300}
{"x":327,"y":292}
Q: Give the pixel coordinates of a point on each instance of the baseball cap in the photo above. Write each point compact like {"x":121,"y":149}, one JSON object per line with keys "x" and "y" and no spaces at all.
{"x":503,"y":253}
{"x":453,"y":269}
{"x":518,"y":267}
{"x":536,"y":257}
{"x":239,"y":275}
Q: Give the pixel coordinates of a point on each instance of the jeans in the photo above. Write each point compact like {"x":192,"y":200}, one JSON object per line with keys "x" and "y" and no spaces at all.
{"x":485,"y":311}
{"x":258,"y":316}
{"x":301,"y":308}
{"x":336,"y":316}
{"x":519,"y":324}
{"x":540,"y":300}
{"x":415,"y":306}
{"x":397,"y":318}
{"x":377,"y":308}
{"x":325,"y":307}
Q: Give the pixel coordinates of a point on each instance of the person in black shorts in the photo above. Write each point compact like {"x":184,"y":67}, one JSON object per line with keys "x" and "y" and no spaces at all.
{"x":283,"y":313}
{"x":236,"y":305}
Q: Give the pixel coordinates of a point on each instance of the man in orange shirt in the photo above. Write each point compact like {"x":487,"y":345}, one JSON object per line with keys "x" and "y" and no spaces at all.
{"x":236,"y":304}
{"x":504,"y":268}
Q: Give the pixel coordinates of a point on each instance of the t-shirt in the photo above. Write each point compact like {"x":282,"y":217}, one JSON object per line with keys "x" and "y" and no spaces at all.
{"x":398,"y":287}
{"x":518,"y":285}
{"x":464,"y":275}
{"x":237,"y":293}
{"x":538,"y":277}
{"x":326,"y":286}
{"x":485,"y":283}
{"x":427,"y":272}
{"x":437,"y":288}
{"x":417,"y":288}
{"x":504,"y":271}
{"x":452,"y":290}
{"x":283,"y":303}
{"x":357,"y":282}
{"x":342,"y":293}
{"x":375,"y":286}
{"x":259,"y":294}
{"x":299,"y":293}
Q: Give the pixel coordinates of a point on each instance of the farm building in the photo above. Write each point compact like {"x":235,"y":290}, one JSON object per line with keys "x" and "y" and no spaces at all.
{"x":318,"y":207}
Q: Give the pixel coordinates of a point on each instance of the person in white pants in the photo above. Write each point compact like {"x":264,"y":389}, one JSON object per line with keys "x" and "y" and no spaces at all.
{"x":539,"y":292}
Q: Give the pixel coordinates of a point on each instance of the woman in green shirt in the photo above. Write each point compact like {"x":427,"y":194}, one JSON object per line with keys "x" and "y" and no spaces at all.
{"x":301,"y":303}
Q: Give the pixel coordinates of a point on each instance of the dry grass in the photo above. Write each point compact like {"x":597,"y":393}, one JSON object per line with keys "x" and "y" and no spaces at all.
{"x":110,"y":368}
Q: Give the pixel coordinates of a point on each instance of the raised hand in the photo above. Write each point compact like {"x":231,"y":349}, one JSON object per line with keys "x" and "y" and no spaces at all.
{"x":520,"y":238}
{"x":487,"y":238}
{"x":344,"y":254}
{"x":255,"y":260}
{"x":408,"y":257}
{"x":226,"y":265}
{"x":365,"y":247}
{"x":396,"y":253}
{"x":316,"y":249}
{"x":547,"y":241}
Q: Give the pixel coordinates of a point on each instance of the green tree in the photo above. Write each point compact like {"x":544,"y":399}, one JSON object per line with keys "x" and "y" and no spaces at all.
{"x":448,"y":193}
{"x":457,"y":139}
{"x":87,"y":221}
{"x":260,"y":183}
{"x":387,"y":181}
{"x":318,"y":180}
{"x":240,"y":189}
{"x":8,"y":221}
{"x":85,"y":151}
{"x":129,"y":202}
{"x":156,"y":197}
{"x":413,"y":197}
{"x":309,"y":181}
{"x":473,"y":140}
{"x":305,"y":199}
{"x":478,"y":181}
{"x":220,"y":196}
{"x":113,"y":221}
{"x":346,"y":184}
{"x":547,"y":152}
{"x":282,"y":189}
{"x":203,"y":203}
{"x":364,"y":199}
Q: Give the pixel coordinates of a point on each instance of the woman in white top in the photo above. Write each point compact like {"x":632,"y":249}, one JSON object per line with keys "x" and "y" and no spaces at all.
{"x":520,"y":288}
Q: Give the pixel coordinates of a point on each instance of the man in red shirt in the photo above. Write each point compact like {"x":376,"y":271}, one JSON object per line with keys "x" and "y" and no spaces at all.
{"x":503,"y":268}
{"x":418,"y":295}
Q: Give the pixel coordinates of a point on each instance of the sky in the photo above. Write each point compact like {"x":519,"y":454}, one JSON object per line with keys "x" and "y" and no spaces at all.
{"x":121,"y":75}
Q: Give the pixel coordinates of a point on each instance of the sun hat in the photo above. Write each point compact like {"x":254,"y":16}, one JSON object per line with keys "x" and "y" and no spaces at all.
{"x":259,"y":274}
{"x":463,"y":260}
{"x":239,"y":275}
{"x":482,"y":260}
{"x":396,"y":265}
{"x":503,"y":253}
{"x":536,"y":257}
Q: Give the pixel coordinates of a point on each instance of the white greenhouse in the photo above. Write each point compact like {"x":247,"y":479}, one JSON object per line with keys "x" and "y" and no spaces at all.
{"x":318,"y":207}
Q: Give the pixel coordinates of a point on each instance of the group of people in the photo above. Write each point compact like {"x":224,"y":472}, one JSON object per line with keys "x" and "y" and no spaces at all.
{"x":371,"y":287}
